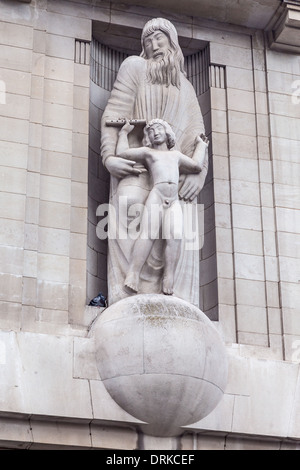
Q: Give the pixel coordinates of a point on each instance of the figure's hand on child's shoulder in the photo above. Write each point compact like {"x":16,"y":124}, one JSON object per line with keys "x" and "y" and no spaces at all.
{"x":203,"y":139}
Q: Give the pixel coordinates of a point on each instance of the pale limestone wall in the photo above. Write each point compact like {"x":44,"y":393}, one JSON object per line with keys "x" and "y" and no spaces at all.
{"x":49,"y":133}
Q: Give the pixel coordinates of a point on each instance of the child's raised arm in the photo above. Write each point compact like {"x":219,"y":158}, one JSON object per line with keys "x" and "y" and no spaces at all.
{"x":122,"y":144}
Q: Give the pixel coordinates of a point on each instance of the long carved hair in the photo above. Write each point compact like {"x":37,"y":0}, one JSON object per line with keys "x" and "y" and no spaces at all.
{"x":165,"y":70}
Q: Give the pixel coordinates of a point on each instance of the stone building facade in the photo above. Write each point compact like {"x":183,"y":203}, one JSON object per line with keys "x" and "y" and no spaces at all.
{"x":58,"y":62}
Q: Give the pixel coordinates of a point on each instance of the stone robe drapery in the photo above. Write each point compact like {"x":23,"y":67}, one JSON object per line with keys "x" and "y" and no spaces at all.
{"x":134,"y":97}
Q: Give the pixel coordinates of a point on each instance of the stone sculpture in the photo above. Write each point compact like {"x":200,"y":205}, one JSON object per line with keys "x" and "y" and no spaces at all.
{"x":152,"y":86}
{"x":162,"y":208}
{"x":160,"y":358}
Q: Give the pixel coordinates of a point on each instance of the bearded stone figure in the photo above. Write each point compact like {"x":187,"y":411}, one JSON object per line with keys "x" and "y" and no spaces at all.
{"x":152,"y":86}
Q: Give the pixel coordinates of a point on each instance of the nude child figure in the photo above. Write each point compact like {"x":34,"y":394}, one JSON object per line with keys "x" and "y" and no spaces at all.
{"x":164,"y":166}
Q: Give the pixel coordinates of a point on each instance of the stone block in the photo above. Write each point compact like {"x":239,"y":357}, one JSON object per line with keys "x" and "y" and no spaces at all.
{"x":79,"y":220}
{"x":263,"y":125}
{"x":13,"y":180}
{"x":10,"y":319}
{"x":219,"y":121}
{"x":16,"y":106}
{"x":224,"y":265}
{"x":261,"y":102}
{"x":56,"y":164}
{"x":272,"y":294}
{"x":52,"y":295}
{"x":270,"y":244}
{"x":14,"y":130}
{"x":242,"y":123}
{"x":57,"y":140}
{"x":16,"y":58}
{"x":244,"y":169}
{"x":287,"y":196}
{"x":79,"y":194}
{"x":250,"y":292}
{"x":239,"y":78}
{"x":11,"y":287}
{"x":227,"y":321}
{"x":286,"y":174}
{"x":81,"y":98}
{"x":285,"y":149}
{"x":271,"y":268}
{"x":220,"y":165}
{"x":222,"y":215}
{"x":241,"y":100}
{"x":280,"y":62}
{"x":224,"y":240}
{"x":246,"y":217}
{"x":225,"y":293}
{"x":289,"y":244}
{"x":57,"y":433}
{"x":29,"y":291}
{"x":259,"y":413}
{"x":53,"y":241}
{"x":60,"y":47}
{"x":79,"y":169}
{"x":59,"y":69}
{"x":242,"y":145}
{"x":248,"y":241}
{"x":252,"y":319}
{"x":58,"y":115}
{"x":30,"y":263}
{"x":11,"y":260}
{"x":54,"y":214}
{"x":54,"y":189}
{"x":15,"y":433}
{"x":288,"y":220}
{"x":245,"y":192}
{"x":291,"y":321}
{"x":231,"y":56}
{"x":290,"y":294}
{"x":114,"y":438}
{"x":81,"y":75}
{"x":221,"y":191}
{"x":13,"y":154}
{"x":77,"y":28}
{"x":12,"y":206}
{"x":274,"y":320}
{"x":12,"y":233}
{"x":249,"y":267}
{"x":78,"y":246}
{"x":281,"y":82}
{"x":54,"y":268}
{"x":58,"y":92}
{"x":220,"y":144}
{"x":266,"y":193}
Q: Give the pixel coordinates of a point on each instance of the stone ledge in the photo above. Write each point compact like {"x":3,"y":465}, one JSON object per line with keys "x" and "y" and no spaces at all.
{"x":285,"y":32}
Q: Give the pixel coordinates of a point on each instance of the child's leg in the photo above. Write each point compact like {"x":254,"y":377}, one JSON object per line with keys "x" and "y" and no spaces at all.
{"x":150,"y":227}
{"x":173,"y":223}
{"x":171,"y":259}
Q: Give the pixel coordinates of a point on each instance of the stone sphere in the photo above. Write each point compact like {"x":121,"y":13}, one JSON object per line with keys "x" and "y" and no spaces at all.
{"x":162,"y":360}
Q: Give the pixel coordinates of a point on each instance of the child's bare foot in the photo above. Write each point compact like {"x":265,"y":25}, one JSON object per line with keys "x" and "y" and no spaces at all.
{"x":167,"y":285}
{"x":132,"y":281}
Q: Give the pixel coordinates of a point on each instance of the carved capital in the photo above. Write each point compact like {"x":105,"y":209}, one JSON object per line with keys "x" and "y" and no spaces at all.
{"x":285,"y":31}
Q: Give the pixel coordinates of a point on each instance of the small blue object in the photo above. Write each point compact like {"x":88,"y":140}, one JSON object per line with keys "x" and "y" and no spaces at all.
{"x":99,"y":301}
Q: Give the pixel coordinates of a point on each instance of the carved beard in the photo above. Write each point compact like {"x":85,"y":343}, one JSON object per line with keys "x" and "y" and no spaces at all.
{"x":164,"y":70}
